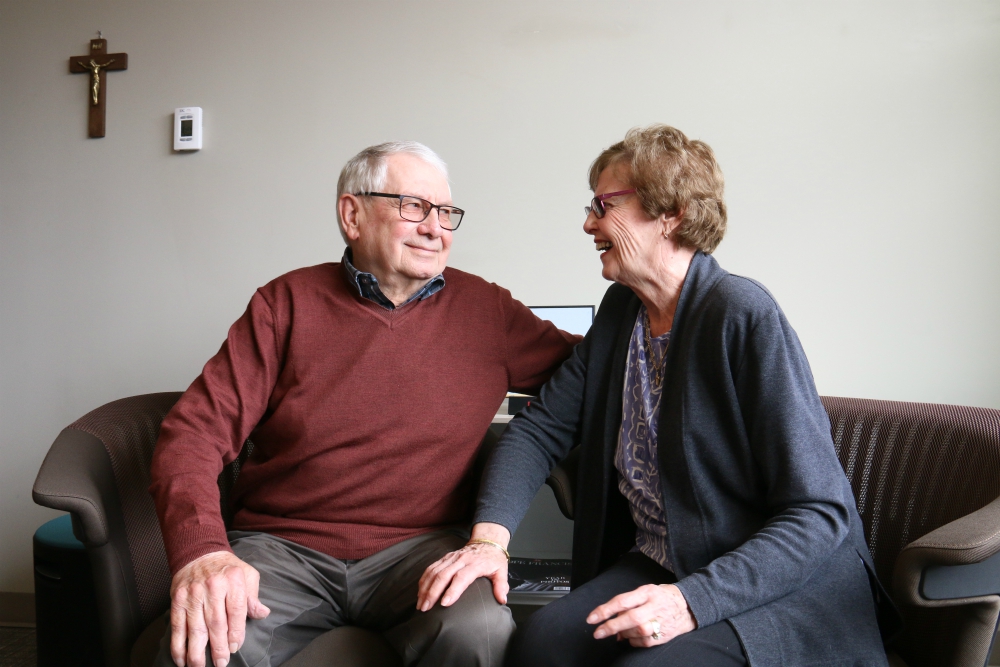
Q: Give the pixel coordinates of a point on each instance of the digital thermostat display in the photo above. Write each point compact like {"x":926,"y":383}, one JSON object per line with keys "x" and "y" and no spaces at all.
{"x":187,"y":129}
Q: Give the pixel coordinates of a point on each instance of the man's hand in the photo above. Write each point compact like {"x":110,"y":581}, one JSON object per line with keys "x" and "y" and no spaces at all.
{"x":640,"y":614}
{"x":457,"y":570}
{"x":210,"y":599}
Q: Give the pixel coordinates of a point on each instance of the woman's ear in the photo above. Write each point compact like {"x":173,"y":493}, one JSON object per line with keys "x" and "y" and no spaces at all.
{"x":671,"y":222}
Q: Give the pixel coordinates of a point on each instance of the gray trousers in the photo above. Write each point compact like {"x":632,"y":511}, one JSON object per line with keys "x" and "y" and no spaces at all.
{"x":310,"y":593}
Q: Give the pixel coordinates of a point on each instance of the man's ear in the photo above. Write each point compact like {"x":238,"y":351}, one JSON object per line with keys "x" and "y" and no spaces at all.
{"x":351,"y":214}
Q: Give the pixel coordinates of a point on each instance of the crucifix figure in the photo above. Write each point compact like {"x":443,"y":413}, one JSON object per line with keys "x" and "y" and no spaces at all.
{"x":95,"y":86}
{"x":94,"y":63}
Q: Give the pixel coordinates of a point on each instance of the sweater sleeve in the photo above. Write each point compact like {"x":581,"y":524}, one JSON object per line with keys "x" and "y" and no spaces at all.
{"x":803,"y":486}
{"x":206,"y":430}
{"x":534,"y":347}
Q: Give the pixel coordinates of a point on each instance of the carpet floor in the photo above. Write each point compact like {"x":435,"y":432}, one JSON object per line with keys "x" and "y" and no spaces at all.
{"x":17,"y":647}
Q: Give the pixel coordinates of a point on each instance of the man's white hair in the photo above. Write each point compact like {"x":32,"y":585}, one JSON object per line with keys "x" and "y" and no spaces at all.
{"x":366,"y":171}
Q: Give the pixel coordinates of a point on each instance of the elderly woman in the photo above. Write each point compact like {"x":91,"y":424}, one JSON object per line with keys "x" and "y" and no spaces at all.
{"x":714,"y":524}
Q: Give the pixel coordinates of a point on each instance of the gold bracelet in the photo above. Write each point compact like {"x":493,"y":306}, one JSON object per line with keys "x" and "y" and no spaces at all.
{"x":498,"y":546}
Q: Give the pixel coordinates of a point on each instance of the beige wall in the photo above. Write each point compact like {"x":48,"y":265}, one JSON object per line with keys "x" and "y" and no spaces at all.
{"x":860,"y":143}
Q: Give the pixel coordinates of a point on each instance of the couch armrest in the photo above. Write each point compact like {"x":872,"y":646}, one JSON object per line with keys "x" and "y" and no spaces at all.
{"x":562,"y":480}
{"x":70,"y":479}
{"x":959,"y":563}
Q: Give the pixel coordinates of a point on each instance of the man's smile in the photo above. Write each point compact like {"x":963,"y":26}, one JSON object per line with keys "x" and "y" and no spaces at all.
{"x":422,"y":249}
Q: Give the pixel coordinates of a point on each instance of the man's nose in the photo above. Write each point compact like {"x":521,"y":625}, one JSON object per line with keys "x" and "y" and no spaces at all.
{"x":431,"y":225}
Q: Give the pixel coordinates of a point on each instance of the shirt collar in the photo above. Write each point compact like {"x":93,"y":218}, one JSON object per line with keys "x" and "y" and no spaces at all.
{"x":366,"y":285}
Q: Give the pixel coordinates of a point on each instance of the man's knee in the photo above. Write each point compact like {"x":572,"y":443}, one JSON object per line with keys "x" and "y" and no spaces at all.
{"x":476,"y":618}
{"x":473,"y":632}
{"x":257,"y":639}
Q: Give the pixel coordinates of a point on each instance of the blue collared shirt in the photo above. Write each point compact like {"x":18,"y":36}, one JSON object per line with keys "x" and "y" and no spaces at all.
{"x":367,"y":285}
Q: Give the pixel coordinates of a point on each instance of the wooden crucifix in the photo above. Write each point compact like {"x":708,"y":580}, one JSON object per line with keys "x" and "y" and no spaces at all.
{"x":94,"y":63}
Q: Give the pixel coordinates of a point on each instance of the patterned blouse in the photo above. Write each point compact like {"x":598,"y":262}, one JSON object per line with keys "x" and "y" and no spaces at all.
{"x":636,"y":457}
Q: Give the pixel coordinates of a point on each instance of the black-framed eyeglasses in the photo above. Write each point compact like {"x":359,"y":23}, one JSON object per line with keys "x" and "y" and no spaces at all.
{"x":597,"y":203}
{"x":415,"y":209}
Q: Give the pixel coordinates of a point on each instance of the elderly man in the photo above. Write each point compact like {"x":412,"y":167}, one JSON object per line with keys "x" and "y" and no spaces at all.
{"x":368,"y":386}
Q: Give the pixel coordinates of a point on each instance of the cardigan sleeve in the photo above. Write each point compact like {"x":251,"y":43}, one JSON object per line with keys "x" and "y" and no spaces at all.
{"x":801,"y":482}
{"x":535,"y":440}
{"x":206,"y":429}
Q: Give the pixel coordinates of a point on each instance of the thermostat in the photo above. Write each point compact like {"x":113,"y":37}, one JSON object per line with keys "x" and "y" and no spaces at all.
{"x":187,"y":129}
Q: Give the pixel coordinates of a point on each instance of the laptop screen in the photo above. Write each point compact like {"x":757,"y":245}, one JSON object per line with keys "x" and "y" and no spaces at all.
{"x":574,"y":319}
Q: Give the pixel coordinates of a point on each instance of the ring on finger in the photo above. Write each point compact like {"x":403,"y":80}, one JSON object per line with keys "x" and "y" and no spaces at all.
{"x":656,"y":629}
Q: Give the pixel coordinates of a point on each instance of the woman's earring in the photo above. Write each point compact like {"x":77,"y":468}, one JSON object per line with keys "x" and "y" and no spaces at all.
{"x":666,"y":234}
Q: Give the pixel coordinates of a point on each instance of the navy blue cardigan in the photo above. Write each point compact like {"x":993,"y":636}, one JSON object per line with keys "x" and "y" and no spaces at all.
{"x":764,"y":530}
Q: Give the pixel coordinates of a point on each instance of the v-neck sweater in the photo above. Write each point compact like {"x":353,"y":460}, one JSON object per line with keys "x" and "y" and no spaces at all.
{"x":365,"y":421}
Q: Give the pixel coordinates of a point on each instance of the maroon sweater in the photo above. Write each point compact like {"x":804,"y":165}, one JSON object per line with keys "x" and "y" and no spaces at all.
{"x":368,"y":419}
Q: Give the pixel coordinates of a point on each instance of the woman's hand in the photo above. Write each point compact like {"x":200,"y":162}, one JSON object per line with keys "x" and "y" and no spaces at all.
{"x":648,"y":616}
{"x":448,"y":578}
